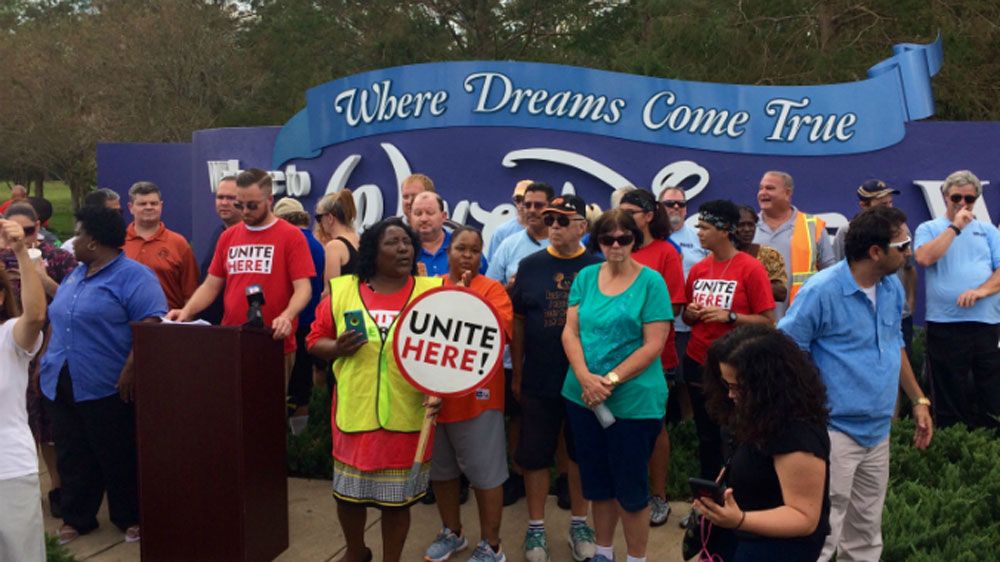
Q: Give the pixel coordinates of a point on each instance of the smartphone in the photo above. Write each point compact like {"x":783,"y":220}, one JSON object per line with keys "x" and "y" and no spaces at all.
{"x":355,"y":321}
{"x":701,"y":488}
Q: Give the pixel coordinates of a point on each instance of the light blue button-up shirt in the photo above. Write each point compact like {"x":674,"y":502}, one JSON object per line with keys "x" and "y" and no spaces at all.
{"x":856,"y":348}
{"x":90,"y":325}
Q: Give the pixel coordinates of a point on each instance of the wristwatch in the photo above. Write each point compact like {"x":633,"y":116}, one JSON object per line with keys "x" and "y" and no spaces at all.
{"x":614,"y":378}
{"x":732,"y":317}
{"x":922,"y":402}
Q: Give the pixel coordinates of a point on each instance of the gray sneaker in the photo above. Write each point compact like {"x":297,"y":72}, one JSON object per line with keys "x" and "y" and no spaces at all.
{"x":659,"y":510}
{"x":446,"y":544}
{"x":581,"y":542}
{"x":484,"y":553}
{"x":536,"y":546}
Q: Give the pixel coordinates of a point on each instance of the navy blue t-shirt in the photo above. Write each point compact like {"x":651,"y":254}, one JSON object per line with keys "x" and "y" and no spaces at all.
{"x":539,"y":295}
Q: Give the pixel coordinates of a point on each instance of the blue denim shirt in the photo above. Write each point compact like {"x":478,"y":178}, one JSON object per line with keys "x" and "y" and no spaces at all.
{"x":90,"y":319}
{"x":856,"y":348}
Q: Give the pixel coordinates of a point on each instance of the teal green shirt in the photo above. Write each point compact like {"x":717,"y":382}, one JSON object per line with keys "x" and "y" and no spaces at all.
{"x":611,"y":330}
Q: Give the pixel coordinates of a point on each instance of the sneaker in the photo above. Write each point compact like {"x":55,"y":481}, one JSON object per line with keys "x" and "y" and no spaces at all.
{"x":562,"y":492}
{"x":581,"y":542}
{"x":659,"y":510}
{"x":684,"y":521}
{"x":446,"y":544}
{"x":513,"y":489}
{"x":536,"y":546}
{"x":484,"y":553}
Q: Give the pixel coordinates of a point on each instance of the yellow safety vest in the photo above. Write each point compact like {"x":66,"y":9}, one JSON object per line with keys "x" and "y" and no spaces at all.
{"x":371,"y":392}
{"x":805,"y":237}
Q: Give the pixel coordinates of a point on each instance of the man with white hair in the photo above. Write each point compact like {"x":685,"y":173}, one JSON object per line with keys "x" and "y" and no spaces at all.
{"x":962,"y":260}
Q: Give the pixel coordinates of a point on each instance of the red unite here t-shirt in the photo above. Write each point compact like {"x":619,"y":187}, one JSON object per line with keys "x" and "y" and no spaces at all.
{"x":739,"y":284}
{"x":662,"y":257}
{"x":271,"y":257}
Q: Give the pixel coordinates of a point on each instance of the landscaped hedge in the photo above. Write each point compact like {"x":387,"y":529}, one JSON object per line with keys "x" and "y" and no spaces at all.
{"x":942,"y":504}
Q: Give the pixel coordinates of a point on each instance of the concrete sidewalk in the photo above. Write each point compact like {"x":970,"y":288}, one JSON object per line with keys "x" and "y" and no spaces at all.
{"x":315,"y":535}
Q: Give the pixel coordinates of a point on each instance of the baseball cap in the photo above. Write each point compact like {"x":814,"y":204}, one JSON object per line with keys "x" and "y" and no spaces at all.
{"x":286,"y":206}
{"x":873,"y":189}
{"x":567,"y":205}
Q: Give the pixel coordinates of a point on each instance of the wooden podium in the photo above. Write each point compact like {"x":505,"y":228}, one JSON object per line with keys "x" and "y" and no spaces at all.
{"x":211,"y":431}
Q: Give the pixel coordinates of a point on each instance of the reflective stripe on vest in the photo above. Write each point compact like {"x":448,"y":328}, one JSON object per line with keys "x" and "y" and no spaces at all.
{"x":371,"y":392}
{"x":805,"y":237}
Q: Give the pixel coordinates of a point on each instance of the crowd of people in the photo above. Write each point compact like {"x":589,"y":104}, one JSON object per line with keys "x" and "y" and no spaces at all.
{"x":786,"y":345}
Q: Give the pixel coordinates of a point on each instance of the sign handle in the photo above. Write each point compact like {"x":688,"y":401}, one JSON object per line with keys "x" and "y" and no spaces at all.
{"x":425,"y":432}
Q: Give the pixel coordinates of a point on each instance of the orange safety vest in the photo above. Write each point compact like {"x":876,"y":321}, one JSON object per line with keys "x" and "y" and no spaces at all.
{"x":805,"y":238}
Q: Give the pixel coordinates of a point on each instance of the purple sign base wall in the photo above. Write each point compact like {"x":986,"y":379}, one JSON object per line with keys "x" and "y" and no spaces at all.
{"x":475,"y":170}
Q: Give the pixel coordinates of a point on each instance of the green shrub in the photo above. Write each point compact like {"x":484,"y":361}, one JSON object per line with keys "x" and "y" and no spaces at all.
{"x":309,"y":453}
{"x":54,"y":552}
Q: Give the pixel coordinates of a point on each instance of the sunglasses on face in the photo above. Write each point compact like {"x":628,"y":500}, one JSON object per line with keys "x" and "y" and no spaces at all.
{"x":969,"y":199}
{"x":609,"y":240}
{"x":562,"y":220}
{"x":903,"y":245}
{"x":29,"y":230}
{"x":535,"y":204}
{"x":250,"y":205}
{"x":674,"y":204}
{"x":517,"y":199}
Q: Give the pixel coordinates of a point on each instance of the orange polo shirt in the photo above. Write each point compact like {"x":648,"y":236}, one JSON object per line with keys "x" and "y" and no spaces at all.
{"x":170,"y":256}
{"x":489,"y":397}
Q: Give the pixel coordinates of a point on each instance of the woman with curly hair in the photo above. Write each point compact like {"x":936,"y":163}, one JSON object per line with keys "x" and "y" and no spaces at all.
{"x":768,"y":393}
{"x":376,"y":415}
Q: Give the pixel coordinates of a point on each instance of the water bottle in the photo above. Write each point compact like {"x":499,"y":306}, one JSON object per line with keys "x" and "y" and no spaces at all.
{"x":604,"y":415}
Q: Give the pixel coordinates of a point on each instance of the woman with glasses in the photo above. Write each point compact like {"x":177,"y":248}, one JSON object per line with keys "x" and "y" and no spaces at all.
{"x":22,"y":536}
{"x":616,"y":325}
{"x":52,"y":265}
{"x":660,"y":256}
{"x":725,"y":290}
{"x":334,"y":228}
{"x":764,"y":389}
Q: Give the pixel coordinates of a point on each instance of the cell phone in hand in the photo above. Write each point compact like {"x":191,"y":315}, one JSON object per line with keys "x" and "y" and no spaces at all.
{"x":701,"y":488}
{"x":355,"y":322}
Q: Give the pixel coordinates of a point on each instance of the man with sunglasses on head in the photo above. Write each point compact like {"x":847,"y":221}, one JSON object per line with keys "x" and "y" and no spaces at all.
{"x":962,"y":260}
{"x":512,"y":226}
{"x":540,"y":294}
{"x":263,"y":250}
{"x":848,"y":318}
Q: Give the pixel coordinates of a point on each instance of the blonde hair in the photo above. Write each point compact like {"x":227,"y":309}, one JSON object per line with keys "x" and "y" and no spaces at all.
{"x":340,"y":206}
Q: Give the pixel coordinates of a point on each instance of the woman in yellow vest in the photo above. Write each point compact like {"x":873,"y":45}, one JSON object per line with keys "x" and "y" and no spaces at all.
{"x":376,"y":415}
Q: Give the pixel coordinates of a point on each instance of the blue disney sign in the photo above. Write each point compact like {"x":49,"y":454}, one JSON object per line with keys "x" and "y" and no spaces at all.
{"x":832,"y":119}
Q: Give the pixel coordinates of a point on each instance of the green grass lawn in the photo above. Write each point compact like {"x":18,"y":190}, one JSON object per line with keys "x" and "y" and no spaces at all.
{"x":57,"y":193}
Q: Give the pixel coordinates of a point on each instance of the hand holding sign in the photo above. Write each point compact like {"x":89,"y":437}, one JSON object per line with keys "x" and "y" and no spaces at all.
{"x":448,"y":342}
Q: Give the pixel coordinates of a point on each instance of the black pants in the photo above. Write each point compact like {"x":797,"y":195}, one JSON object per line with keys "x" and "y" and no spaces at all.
{"x":95,"y":452}
{"x":964,"y":368}
{"x":709,"y":434}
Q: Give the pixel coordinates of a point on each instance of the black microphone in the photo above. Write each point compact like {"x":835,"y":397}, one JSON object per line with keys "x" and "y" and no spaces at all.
{"x":255,"y":298}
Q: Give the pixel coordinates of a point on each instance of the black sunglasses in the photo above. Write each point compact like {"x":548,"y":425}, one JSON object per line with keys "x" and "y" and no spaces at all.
{"x":517,"y":199}
{"x":535,"y":204}
{"x":29,"y":230}
{"x":553,"y":218}
{"x":250,"y":205}
{"x":674,"y":204}
{"x":969,"y":199}
{"x":609,"y":240}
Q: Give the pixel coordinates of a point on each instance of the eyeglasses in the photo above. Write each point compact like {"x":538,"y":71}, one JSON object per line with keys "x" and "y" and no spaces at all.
{"x":563,"y":220}
{"x":517,"y":199}
{"x":731,"y":387}
{"x":671,"y":204}
{"x":902,"y":246}
{"x":319,"y":216}
{"x":969,"y":199}
{"x":535,"y":205}
{"x":609,"y":240}
{"x":250,"y":205}
{"x":29,"y":230}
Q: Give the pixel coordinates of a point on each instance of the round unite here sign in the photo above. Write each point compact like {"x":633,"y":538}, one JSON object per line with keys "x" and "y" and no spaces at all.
{"x":449,"y":342}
